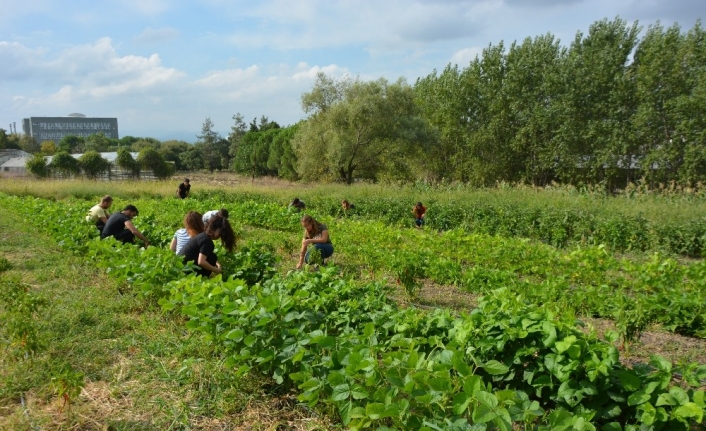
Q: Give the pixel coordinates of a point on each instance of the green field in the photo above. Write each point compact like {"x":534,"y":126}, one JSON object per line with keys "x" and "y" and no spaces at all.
{"x":470,"y":323}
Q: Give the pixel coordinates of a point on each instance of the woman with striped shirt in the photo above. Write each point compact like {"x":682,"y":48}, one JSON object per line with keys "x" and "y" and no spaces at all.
{"x":193,"y":225}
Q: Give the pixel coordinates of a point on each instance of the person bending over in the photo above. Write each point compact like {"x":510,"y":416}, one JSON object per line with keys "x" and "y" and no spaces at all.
{"x":120,"y":226}
{"x":317,"y":234}
{"x":297,"y":205}
{"x":201,"y":250}
{"x":193,"y":225}
{"x":208,"y":214}
{"x":99,"y":214}
{"x":184,"y":189}
{"x":419,"y":212}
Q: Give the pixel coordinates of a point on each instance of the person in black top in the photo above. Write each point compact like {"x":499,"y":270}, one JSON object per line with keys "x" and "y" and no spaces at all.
{"x":120,"y":226}
{"x":183,"y":189}
{"x":297,"y":205}
{"x":201,"y":250}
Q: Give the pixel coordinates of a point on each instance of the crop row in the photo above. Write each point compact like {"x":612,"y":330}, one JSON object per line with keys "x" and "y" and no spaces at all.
{"x":556,"y":226}
{"x":344,"y":344}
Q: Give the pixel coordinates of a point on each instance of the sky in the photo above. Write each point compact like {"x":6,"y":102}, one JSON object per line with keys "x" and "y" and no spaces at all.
{"x":162,"y":67}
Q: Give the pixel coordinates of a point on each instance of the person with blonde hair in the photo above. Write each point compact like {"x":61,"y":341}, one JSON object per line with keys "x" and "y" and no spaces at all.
{"x":98,"y":214}
{"x":315,"y":234}
{"x":193,"y":225}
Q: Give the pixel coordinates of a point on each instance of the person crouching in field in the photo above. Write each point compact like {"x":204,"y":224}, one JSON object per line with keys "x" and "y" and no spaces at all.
{"x":99,"y":214}
{"x":419,"y":212}
{"x":120,"y":226}
{"x":208,"y":214}
{"x":193,"y":225}
{"x":201,"y":250}
{"x":317,"y":234}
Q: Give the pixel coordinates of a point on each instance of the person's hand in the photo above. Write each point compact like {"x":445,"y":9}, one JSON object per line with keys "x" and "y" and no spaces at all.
{"x":147,"y":243}
{"x":299,"y":265}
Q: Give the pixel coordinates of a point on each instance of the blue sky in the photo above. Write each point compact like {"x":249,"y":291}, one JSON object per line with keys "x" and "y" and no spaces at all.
{"x":161,"y":67}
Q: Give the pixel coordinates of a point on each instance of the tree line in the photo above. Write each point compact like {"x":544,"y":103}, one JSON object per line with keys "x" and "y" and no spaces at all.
{"x":611,"y":108}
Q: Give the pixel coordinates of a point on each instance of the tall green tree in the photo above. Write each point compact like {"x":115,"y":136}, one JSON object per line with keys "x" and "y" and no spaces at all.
{"x":71,"y":144}
{"x":214,"y":149}
{"x":237,"y":130}
{"x":356,"y":129}
{"x":64,"y":164}
{"x":37,"y":166}
{"x":126,"y":162}
{"x":595,"y":106}
{"x":150,"y":159}
{"x":172,"y":150}
{"x":93,"y":165}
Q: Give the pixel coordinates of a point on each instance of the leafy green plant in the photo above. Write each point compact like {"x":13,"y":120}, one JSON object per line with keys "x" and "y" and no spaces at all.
{"x":67,"y":384}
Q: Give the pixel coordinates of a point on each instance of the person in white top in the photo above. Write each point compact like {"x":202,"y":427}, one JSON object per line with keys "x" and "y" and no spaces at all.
{"x":193,"y":225}
{"x":208,"y":214}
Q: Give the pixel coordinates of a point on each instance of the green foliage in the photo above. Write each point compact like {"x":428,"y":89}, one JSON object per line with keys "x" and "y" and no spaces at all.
{"x":343,"y":346}
{"x":37,"y":166}
{"x":18,"y":309}
{"x":64,"y":164}
{"x":93,"y":165}
{"x":126,"y":162}
{"x":151,"y":159}
{"x":4,"y":264}
{"x":356,"y":127}
{"x":67,"y":384}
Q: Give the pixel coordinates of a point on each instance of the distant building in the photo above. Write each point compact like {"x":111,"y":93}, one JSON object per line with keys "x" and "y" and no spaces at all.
{"x":55,"y":128}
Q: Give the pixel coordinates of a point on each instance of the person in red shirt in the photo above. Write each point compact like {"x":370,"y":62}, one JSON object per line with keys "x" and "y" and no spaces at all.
{"x":419,"y":211}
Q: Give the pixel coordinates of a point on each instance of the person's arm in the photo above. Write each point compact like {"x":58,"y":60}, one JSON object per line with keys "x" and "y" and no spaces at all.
{"x":173,"y":245}
{"x":104,"y":219}
{"x":131,"y":227}
{"x":203,"y":263}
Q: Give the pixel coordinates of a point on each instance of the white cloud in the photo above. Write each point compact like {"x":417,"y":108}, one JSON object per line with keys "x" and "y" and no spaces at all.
{"x":156,"y":35}
{"x":464,"y":56}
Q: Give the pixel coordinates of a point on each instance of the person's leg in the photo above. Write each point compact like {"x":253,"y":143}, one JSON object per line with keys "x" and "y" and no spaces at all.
{"x":125,"y":236}
{"x":326,"y":250}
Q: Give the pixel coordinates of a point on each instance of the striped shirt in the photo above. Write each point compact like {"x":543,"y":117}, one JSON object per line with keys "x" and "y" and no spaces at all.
{"x":182,"y":237}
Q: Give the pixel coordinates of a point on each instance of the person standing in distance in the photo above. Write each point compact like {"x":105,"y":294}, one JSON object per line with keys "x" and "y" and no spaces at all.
{"x":183,"y":189}
{"x":120,"y":226}
{"x":99,"y":214}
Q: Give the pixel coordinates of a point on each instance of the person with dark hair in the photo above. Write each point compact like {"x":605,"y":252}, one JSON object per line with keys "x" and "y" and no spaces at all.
{"x":193,"y":225}
{"x":208,"y":214}
{"x":317,"y":234}
{"x":183,"y":189}
{"x":419,"y":212}
{"x":297,"y":205}
{"x":347,"y":206}
{"x":201,"y":250}
{"x":99,"y":214}
{"x":120,"y":226}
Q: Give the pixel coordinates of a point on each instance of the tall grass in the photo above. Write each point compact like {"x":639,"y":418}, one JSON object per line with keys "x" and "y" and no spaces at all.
{"x":666,"y":204}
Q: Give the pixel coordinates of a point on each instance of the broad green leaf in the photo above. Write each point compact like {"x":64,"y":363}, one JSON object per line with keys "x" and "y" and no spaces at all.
{"x":629,"y":380}
{"x":340,"y":392}
{"x":486,"y":398}
{"x":638,"y":398}
{"x":483,"y":414}
{"x":495,"y":367}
